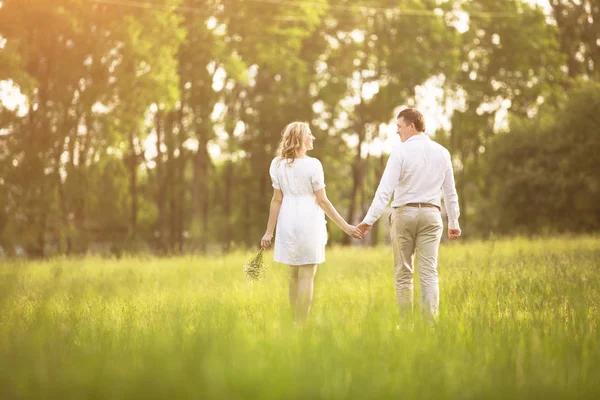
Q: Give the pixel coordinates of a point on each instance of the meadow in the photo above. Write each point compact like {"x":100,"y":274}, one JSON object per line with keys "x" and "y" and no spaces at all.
{"x":518,"y":319}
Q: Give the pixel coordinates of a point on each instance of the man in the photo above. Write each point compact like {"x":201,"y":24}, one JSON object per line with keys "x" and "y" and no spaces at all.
{"x":417,"y":172}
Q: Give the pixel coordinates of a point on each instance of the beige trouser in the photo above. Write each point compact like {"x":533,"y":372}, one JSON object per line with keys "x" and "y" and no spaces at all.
{"x":416,"y":229}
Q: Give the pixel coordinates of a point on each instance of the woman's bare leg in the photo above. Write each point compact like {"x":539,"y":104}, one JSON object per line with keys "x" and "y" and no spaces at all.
{"x":306,"y":281}
{"x":294,"y":290}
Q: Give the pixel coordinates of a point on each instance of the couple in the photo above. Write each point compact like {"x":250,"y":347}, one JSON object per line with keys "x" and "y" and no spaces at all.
{"x":417,"y":173}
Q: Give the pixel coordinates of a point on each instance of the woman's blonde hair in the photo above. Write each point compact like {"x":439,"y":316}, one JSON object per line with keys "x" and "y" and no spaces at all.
{"x":292,"y":140}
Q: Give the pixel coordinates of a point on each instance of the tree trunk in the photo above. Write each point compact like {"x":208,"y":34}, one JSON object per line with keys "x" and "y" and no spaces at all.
{"x":181,"y":183}
{"x":200,"y":206}
{"x":64,"y":208}
{"x":41,"y":253}
{"x":378,"y":174}
{"x":79,"y":206}
{"x":461,"y":192}
{"x":171,"y":180}
{"x":357,"y":175}
{"x":160,"y":193}
{"x":133,"y":188}
{"x":228,"y":233}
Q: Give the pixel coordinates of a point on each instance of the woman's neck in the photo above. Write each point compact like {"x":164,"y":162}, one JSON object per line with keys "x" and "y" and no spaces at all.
{"x":301,"y":154}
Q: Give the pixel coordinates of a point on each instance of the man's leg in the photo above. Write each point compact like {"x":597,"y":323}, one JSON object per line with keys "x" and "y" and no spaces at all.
{"x":402,"y":231}
{"x":427,"y":246}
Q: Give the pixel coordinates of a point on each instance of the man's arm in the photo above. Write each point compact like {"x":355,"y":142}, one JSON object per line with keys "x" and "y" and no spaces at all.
{"x":451,"y":202}
{"x":388,"y":183}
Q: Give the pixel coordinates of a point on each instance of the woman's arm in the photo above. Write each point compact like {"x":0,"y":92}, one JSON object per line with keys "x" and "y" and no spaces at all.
{"x":276,"y":200}
{"x":332,"y":213}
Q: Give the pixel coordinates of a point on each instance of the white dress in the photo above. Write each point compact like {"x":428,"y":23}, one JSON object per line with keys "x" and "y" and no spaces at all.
{"x":301,"y":233}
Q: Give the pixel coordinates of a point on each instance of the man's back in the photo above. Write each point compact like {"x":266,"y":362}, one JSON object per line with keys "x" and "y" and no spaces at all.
{"x":418,"y":171}
{"x":424,"y":165}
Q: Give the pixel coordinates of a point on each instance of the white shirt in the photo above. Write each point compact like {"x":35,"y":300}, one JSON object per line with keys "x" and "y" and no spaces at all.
{"x":418,"y":171}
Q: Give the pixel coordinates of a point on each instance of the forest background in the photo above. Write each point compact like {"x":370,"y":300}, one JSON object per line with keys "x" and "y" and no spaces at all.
{"x":149,"y":125}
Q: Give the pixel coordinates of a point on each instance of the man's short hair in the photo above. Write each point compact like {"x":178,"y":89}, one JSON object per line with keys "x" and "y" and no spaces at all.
{"x":413,"y":116}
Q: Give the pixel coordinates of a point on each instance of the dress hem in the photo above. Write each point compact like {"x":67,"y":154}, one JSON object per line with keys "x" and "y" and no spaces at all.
{"x":296,"y":264}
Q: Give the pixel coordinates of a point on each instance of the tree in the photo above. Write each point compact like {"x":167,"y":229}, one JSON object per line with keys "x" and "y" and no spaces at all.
{"x":509,"y":63}
{"x":578,"y":33}
{"x":80,"y":58}
{"x":542,"y":176}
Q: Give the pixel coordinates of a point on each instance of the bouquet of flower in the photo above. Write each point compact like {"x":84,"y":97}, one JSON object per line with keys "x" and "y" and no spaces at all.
{"x":255,"y":268}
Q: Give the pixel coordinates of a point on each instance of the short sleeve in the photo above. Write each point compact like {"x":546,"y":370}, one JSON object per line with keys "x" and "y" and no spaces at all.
{"x":318,"y":177}
{"x":273,"y":173}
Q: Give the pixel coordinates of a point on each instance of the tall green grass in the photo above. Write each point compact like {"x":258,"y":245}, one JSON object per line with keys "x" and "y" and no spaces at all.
{"x":519,"y":319}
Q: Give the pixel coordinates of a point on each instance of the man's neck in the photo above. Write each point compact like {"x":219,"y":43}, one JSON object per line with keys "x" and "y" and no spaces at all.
{"x":414,"y":134}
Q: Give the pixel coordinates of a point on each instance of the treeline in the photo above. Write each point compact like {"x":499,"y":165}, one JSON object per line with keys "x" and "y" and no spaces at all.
{"x":150,"y":125}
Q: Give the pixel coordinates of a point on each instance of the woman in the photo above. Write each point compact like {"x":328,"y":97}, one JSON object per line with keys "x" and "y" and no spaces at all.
{"x":298,"y":207}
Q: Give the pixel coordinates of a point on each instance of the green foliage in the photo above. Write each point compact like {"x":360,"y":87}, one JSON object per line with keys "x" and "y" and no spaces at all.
{"x":126,"y":106}
{"x":546,"y":179}
{"x":578,"y":36}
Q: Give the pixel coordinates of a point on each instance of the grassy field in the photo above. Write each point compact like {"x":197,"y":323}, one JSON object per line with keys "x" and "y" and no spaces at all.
{"x":519,"y":319}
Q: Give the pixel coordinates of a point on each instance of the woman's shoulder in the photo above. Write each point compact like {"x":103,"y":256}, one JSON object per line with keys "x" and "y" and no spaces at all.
{"x":314,"y":160}
{"x":303,"y":162}
{"x":275,"y":164}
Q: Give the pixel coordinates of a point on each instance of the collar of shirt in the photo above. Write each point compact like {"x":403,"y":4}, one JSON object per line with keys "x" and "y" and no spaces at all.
{"x":420,"y":136}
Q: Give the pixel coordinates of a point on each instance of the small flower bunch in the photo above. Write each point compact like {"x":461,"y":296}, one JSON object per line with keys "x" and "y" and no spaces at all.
{"x":255,"y":268}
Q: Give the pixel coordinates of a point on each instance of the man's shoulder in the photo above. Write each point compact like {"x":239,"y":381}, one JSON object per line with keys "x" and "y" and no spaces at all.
{"x":397,"y":151}
{"x":397,"y":148}
{"x":429,"y":142}
{"x":439,"y":147}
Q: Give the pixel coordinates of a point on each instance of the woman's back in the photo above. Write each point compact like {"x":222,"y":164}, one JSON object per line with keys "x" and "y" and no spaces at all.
{"x":302,"y":177}
{"x":301,"y":234}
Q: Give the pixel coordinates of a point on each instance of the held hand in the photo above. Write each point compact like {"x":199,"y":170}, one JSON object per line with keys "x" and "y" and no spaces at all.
{"x":265,"y":242}
{"x":453,"y":234}
{"x":354,"y":232}
{"x":365,"y":228}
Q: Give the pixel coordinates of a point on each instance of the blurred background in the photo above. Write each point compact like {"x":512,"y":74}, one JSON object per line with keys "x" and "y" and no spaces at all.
{"x":149,"y":125}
